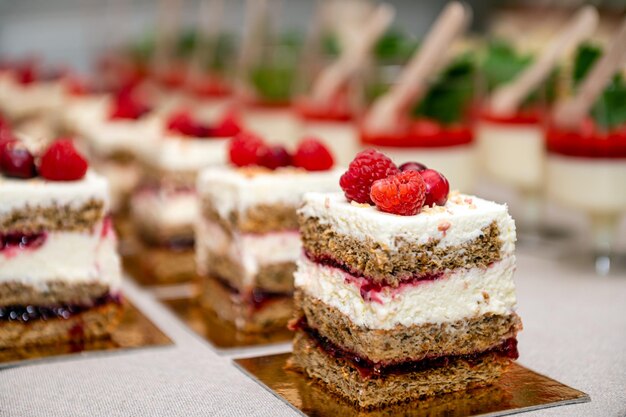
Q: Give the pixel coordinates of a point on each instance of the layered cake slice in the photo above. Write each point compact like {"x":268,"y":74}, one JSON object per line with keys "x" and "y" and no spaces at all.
{"x":59,"y":270}
{"x":247,"y":238}
{"x":403,"y":290}
{"x":164,"y":207}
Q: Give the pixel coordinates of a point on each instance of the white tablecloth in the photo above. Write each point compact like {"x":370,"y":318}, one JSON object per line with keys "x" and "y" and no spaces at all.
{"x":574,"y":331}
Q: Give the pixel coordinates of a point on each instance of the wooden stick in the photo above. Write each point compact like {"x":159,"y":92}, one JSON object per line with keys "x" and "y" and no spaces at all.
{"x":569,"y":113}
{"x":210,"y":15}
{"x":353,"y":56}
{"x":166,"y":31}
{"x":506,"y":99}
{"x":411,"y":84}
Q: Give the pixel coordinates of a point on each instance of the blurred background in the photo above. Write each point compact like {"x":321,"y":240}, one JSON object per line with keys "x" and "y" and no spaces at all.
{"x":566,"y":187}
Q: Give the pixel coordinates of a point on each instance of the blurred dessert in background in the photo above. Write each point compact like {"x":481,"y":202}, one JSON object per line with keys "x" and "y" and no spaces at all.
{"x":247,"y":238}
{"x":59,"y":271}
{"x":164,"y":208}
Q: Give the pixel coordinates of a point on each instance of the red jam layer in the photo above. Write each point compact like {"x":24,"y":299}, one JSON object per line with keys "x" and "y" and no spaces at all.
{"x":587,"y":142}
{"x":370,"y":291}
{"x":336,"y":111}
{"x":421,"y":133}
{"x":257,"y":298}
{"x":369,"y":369}
{"x":521,"y":117}
{"x":10,"y":242}
{"x":30,"y":313}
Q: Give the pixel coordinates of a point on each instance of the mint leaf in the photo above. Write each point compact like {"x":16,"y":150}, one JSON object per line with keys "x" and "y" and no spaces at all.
{"x":450,"y":97}
{"x":586,"y":55}
{"x":502,"y":64}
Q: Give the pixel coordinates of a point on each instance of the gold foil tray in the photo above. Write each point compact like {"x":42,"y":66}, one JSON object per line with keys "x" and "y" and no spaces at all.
{"x":519,"y":390}
{"x":220,"y":334}
{"x":134,"y":331}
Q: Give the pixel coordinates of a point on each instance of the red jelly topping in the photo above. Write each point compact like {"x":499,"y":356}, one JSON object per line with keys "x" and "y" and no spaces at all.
{"x":127,"y":106}
{"x":420,"y":133}
{"x":370,"y":290}
{"x":29,"y":313}
{"x":588,"y":141}
{"x":528,"y":116}
{"x":10,"y":242}
{"x":369,"y":369}
{"x":184,"y":123}
{"x":210,"y":86}
{"x":337,"y":110}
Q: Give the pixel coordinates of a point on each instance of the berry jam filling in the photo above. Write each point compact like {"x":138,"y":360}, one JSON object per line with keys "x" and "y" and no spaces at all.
{"x":25,"y":314}
{"x":369,"y":369}
{"x":370,"y":290}
{"x":257,"y":298}
{"x":421,"y":133}
{"x":588,"y":141}
{"x":20,"y":241}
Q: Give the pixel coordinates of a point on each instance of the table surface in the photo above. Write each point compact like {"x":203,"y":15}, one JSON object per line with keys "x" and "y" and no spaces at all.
{"x":574,"y":331}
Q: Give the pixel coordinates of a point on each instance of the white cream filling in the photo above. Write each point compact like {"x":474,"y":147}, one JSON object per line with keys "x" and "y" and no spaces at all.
{"x":252,"y":251}
{"x":459,"y":221}
{"x":72,"y":257}
{"x":160,"y":208}
{"x":37,"y":192}
{"x":457,"y":296}
{"x":278,"y":125}
{"x":232,"y":189}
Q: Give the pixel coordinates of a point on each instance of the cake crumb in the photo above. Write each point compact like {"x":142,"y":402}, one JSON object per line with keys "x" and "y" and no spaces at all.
{"x":362,"y":205}
{"x":486,"y":297}
{"x":327,"y":203}
{"x":443,"y":226}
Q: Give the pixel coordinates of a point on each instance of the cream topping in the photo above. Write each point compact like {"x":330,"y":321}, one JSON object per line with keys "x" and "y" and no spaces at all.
{"x":20,"y":193}
{"x":231,"y":189}
{"x":460,"y":220}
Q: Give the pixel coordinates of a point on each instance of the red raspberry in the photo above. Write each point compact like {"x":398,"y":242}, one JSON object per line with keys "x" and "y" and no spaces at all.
{"x":182,"y":122}
{"x":15,"y":160}
{"x":312,"y":155}
{"x":228,"y":126}
{"x":437,"y":187}
{"x":367,"y":167}
{"x":273,"y":157}
{"x":126,"y":106}
{"x":402,"y":194}
{"x":62,"y":162}
{"x":245,"y":149}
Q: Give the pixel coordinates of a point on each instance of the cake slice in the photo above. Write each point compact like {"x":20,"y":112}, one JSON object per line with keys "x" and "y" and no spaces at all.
{"x":247,"y":239}
{"x":59,"y":271}
{"x":394,"y":307}
{"x":164,"y":208}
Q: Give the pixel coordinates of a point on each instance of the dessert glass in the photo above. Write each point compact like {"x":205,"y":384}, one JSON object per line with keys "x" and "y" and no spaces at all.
{"x":439,"y":130}
{"x":586,"y":170}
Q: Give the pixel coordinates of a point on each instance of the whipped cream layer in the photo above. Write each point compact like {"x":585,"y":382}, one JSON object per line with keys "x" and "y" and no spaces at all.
{"x":251,"y":251}
{"x":458,"y":295}
{"x":20,"y":194}
{"x":18,"y":100}
{"x":166,"y":209}
{"x":71,"y":257}
{"x":178,"y":153}
{"x":459,"y":221}
{"x":236,"y":190}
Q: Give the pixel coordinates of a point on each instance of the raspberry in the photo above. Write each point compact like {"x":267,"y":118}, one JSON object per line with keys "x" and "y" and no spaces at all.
{"x":273,"y":157}
{"x":15,"y":160}
{"x":437,"y":187}
{"x":367,"y":167}
{"x":126,"y":106}
{"x":182,"y":122}
{"x":245,"y":149}
{"x":312,"y":155}
{"x":62,"y":162}
{"x":228,"y":126}
{"x":402,"y":194}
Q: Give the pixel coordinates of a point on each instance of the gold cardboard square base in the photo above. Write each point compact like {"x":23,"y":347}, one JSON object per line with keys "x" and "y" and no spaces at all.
{"x":219,"y":333}
{"x":134,"y":331}
{"x":519,"y":390}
